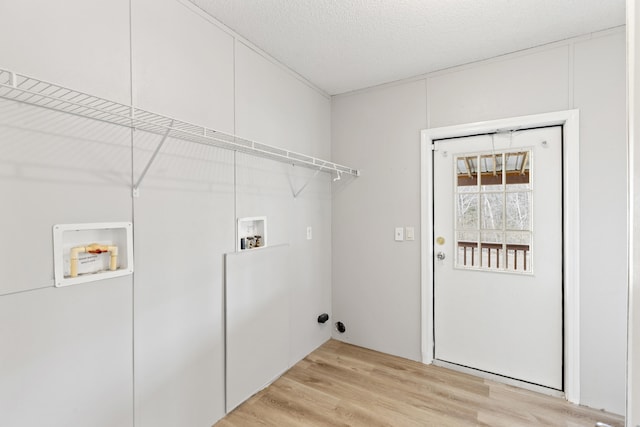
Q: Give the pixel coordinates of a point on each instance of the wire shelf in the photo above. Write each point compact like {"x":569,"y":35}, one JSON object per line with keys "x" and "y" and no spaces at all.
{"x":28,"y":90}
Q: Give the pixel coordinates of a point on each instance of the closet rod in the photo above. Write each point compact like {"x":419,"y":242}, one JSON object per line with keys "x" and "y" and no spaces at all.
{"x":32,"y":91}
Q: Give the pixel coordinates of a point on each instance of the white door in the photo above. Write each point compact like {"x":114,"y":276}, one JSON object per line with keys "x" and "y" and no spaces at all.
{"x":498,"y":254}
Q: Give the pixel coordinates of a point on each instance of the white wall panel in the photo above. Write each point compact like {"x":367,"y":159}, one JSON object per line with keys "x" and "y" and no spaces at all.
{"x":376,"y":281}
{"x":66,"y":356}
{"x":183,"y":225}
{"x":184,"y":220}
{"x":82,"y":44}
{"x":265,"y":188}
{"x":257,"y":291}
{"x":182,"y":64}
{"x":600,"y":93}
{"x":275,"y":108}
{"x":633,"y":58}
{"x":311,"y":265}
{"x":516,"y":86}
{"x":54,"y":169}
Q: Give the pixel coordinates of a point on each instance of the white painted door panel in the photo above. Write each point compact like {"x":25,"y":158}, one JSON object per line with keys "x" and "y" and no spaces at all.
{"x":501,"y":321}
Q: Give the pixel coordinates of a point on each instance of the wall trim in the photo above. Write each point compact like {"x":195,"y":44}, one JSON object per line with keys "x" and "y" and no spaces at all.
{"x":569,"y":119}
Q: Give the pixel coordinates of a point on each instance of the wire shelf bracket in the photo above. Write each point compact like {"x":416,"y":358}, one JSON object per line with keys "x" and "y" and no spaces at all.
{"x":136,"y":186}
{"x":39,"y":93}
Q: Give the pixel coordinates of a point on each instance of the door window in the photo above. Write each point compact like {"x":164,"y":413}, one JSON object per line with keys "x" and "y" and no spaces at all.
{"x":493,"y":198}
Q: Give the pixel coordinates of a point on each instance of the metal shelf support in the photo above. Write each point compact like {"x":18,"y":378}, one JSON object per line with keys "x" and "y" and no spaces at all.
{"x":136,"y":187}
{"x":297,"y":193}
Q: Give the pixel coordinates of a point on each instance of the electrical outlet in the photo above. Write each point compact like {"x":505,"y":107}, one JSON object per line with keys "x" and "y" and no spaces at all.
{"x":309,"y":233}
{"x":399,"y":234}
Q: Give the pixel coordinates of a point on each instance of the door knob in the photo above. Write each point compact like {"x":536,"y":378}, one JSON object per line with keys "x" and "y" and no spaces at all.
{"x":440,"y":256}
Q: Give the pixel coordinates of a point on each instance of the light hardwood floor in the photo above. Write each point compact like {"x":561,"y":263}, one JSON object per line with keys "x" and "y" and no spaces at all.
{"x":344,"y":385}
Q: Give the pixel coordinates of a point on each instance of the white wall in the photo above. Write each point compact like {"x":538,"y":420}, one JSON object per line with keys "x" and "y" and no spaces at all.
{"x":633,"y":378}
{"x":182,"y":67}
{"x":275,"y":109}
{"x":376,"y":281}
{"x":82,"y":355}
{"x":600,"y":94}
{"x":66,"y":352}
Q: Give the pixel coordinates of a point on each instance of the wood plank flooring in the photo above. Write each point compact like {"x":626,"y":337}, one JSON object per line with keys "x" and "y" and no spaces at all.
{"x":344,"y":385}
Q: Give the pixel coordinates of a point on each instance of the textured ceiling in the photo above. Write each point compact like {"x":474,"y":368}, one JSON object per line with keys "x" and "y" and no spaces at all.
{"x":344,"y":45}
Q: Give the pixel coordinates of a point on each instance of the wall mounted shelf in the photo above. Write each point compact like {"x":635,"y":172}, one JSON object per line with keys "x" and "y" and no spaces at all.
{"x":28,"y":90}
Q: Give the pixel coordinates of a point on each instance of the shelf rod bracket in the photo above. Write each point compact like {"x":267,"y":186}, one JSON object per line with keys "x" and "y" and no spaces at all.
{"x":136,"y":187}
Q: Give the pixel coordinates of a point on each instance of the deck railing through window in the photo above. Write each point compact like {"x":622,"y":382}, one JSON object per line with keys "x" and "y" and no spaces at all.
{"x":492,"y":255}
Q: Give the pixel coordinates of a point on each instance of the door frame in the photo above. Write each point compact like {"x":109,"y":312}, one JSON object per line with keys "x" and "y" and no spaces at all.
{"x":569,"y":119}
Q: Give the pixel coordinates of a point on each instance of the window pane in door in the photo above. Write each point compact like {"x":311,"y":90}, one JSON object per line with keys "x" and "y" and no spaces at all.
{"x":467,"y":211}
{"x":518,"y":211}
{"x":491,"y":172}
{"x":493,"y":211}
{"x":467,"y":174}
